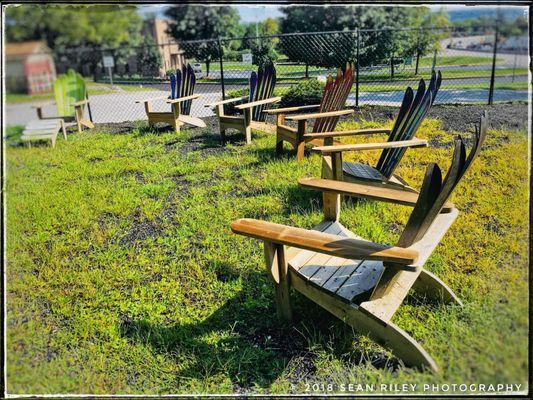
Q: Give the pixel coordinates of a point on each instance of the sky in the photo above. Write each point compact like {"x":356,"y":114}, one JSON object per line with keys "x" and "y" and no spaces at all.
{"x":256,"y":13}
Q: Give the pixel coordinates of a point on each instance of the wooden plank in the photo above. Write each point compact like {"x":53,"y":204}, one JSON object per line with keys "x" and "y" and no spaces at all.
{"x":353,"y":132}
{"x":298,"y":257}
{"x":372,"y":146}
{"x":323,"y":242}
{"x":341,"y":275}
{"x":258,"y":103}
{"x":300,"y":117}
{"x":362,"y":280}
{"x":368,"y":192}
{"x":290,"y":109}
{"x":192,"y":120}
{"x":263,"y":127}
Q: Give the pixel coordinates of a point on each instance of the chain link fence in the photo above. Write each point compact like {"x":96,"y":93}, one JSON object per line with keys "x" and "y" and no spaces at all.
{"x":478,"y":66}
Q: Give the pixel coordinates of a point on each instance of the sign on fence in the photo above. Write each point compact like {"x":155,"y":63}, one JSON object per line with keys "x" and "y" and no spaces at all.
{"x":247,"y":58}
{"x":109,"y":62}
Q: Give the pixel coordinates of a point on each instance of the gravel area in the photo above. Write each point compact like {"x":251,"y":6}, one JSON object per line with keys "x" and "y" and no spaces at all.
{"x":458,"y":118}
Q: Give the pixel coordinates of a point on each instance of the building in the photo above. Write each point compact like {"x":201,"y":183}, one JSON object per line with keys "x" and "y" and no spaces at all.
{"x":172,"y":56}
{"x":30,"y":67}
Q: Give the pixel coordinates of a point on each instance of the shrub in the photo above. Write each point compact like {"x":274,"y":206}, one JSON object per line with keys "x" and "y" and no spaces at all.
{"x":304,"y":93}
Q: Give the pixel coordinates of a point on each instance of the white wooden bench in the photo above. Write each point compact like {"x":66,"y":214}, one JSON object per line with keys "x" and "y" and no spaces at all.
{"x":43,"y":130}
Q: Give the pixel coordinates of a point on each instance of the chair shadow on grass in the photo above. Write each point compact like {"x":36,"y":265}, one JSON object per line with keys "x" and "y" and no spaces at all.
{"x":244,"y":340}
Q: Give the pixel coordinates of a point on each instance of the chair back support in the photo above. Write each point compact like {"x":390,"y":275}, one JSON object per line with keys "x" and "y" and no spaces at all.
{"x":334,"y":98}
{"x":262,"y":86}
{"x":68,"y":89}
{"x":181,"y":85}
{"x":435,"y":191}
{"x":412,"y":112}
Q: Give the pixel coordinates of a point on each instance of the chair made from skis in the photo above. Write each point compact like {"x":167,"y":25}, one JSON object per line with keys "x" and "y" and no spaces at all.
{"x":331,"y":107}
{"x":361,"y":282}
{"x":182,"y":85}
{"x":413,"y":110}
{"x":261,"y":89}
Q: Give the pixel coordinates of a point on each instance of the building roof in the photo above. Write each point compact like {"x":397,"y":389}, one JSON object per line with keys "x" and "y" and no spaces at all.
{"x":26,"y":48}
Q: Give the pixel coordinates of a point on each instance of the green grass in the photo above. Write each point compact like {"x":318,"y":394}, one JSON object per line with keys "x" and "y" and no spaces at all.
{"x":456,"y":60}
{"x":123,"y":275}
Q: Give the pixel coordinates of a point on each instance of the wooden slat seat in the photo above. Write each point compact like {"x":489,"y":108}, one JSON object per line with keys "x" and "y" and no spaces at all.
{"x":43,"y":130}
{"x":347,"y":279}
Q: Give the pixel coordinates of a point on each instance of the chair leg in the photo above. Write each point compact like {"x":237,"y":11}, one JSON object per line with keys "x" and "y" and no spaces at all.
{"x":279,"y":272}
{"x":79,"y":116}
{"x":248,"y":125}
{"x":63,"y":129}
{"x":300,"y":150}
{"x":222,"y":136}
{"x":248,"y":133}
{"x":432,"y":287}
{"x":279,"y":146}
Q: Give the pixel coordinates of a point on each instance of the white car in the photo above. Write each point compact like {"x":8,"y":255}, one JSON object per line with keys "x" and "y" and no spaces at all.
{"x":197,"y":68}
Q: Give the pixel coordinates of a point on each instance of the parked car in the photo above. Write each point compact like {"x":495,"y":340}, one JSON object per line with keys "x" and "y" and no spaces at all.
{"x":197,"y":68}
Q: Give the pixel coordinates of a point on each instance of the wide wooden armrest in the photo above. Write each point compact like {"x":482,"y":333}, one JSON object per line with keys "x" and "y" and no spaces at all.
{"x":326,"y":243}
{"x":286,"y":110}
{"x":371,"y":146}
{"x":385,"y":194}
{"x":43,"y":104}
{"x":151,"y":99}
{"x":81,"y":103}
{"x":185,"y":98}
{"x":320,"y":115}
{"x":258,"y":103}
{"x":353,"y":132}
{"x":217,"y":103}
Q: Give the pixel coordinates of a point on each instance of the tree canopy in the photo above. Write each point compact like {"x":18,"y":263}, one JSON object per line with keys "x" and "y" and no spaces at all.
{"x":65,"y":26}
{"x":376,"y":46}
{"x":195,"y":22}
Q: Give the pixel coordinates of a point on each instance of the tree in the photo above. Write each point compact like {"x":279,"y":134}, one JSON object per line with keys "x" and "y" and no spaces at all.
{"x":76,"y":32}
{"x":193,"y":22}
{"x":333,"y":50}
{"x":73,"y":25}
{"x":264,"y":48}
{"x":148,"y":57}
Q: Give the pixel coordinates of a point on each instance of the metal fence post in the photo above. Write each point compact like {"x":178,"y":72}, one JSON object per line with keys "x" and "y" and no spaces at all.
{"x":221,"y":69}
{"x":357,"y":70}
{"x":493,"y":72}
{"x":417,"y":52}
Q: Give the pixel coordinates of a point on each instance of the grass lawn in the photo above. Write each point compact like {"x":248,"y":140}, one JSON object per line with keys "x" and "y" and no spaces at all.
{"x":123,"y":275}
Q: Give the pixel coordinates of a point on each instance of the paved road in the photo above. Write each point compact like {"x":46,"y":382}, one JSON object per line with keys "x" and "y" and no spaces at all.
{"x":445,"y":96}
{"x":121,"y":106}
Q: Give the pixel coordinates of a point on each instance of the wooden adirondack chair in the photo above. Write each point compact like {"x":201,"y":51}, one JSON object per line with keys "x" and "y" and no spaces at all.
{"x":71,"y":97}
{"x":361,"y":282}
{"x":330,"y":109}
{"x":261,"y":90}
{"x":182,"y":85}
{"x":412,"y":112}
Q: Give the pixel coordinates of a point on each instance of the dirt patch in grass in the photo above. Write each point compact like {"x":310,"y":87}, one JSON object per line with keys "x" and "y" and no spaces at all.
{"x":141,"y":230}
{"x":116,"y":128}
